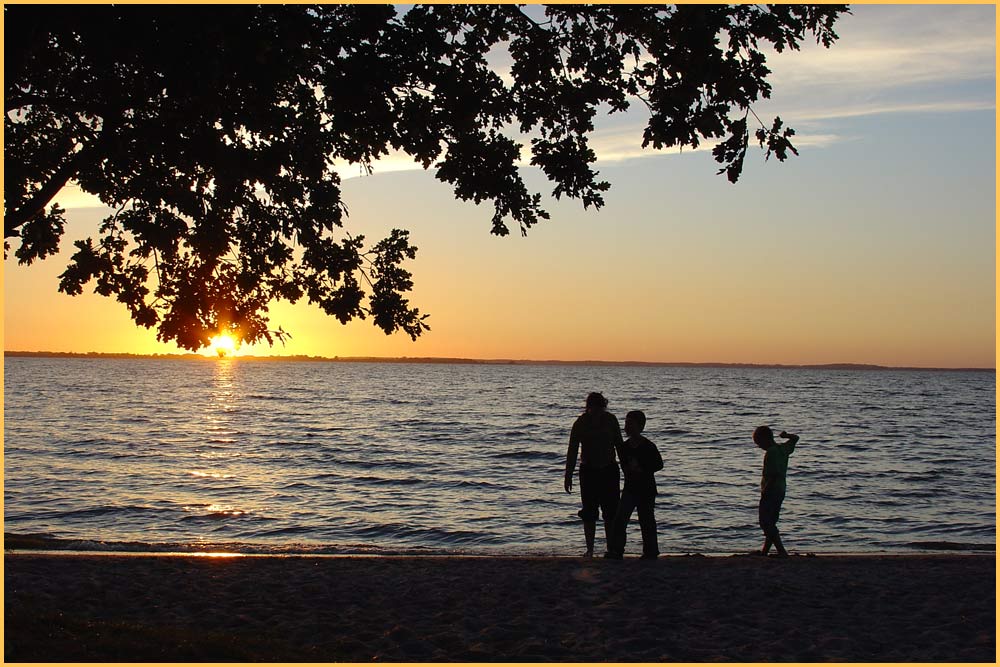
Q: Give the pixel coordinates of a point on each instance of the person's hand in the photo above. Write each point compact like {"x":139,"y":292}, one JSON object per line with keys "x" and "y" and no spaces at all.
{"x":784,"y":435}
{"x":568,"y":482}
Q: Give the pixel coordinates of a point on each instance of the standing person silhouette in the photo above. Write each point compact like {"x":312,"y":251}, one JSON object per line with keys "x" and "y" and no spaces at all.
{"x":772,"y":483}
{"x":598,"y":437}
{"x":639,"y":460}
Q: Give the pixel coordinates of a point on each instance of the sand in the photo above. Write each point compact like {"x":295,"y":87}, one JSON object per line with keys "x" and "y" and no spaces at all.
{"x":436,"y":609}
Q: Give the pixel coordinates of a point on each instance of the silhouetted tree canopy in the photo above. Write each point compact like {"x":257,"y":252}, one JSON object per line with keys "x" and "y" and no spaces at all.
{"x":212,"y":132}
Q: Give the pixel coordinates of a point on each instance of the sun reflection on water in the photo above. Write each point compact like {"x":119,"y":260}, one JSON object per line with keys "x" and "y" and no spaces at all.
{"x":209,"y":475}
{"x":224,"y":384}
{"x":216,"y":511}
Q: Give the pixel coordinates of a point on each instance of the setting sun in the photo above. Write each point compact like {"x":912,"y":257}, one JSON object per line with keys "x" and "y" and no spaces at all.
{"x":222,"y":345}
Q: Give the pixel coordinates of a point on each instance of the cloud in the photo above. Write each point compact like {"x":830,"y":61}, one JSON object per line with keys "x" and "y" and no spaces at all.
{"x":885,"y":66}
{"x":899,"y":59}
{"x":889,"y":48}
{"x":616,"y":144}
{"x":957,"y":106}
{"x":71,"y":196}
{"x":612,"y":145}
{"x":395,"y":161}
{"x":624,"y":143}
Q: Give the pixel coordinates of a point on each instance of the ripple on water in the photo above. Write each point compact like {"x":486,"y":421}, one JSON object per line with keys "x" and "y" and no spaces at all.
{"x":269,"y":454}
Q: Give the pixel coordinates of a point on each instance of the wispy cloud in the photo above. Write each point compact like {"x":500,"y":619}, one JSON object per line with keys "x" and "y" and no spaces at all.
{"x":886,"y":65}
{"x":71,"y":196}
{"x":624,"y":143}
{"x":617,"y":144}
{"x":885,"y":49}
{"x":958,"y":106}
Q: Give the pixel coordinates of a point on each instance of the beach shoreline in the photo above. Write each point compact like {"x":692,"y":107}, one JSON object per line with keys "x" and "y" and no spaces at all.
{"x":46,"y":544}
{"x":145,"y":607}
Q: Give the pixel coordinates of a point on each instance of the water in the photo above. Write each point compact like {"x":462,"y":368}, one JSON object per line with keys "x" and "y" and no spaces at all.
{"x":326,"y":457}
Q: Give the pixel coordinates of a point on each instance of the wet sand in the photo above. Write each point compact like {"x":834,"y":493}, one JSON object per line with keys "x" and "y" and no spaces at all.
{"x":62,"y":608}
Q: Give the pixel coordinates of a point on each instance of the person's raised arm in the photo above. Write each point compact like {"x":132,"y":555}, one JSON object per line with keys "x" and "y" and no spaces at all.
{"x":790,"y":439}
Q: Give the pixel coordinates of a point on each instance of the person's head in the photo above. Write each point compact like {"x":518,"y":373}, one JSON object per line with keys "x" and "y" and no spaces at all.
{"x":596,"y":402}
{"x":763,"y":436}
{"x":635,"y":421}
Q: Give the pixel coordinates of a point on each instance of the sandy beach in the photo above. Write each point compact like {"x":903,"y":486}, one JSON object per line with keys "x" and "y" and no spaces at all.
{"x":435,"y":609}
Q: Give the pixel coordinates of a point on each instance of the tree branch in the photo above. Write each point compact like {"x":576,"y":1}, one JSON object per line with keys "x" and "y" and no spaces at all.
{"x":37,"y":203}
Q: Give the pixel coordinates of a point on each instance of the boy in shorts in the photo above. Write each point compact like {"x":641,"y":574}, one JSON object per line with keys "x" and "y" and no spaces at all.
{"x":772,"y":483}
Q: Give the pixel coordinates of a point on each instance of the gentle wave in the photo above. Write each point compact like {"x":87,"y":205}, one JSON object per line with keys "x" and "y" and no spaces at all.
{"x":952,"y":546}
{"x":286,"y":548}
{"x":528,"y":455}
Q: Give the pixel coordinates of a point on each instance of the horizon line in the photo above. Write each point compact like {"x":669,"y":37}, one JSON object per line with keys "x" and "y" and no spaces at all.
{"x":497,"y":362}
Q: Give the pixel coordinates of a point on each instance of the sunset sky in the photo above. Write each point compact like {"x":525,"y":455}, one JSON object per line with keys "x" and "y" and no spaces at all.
{"x":875,"y":245}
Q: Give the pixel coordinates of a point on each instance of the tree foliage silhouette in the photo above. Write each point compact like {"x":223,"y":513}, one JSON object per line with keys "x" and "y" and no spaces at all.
{"x":212,"y":132}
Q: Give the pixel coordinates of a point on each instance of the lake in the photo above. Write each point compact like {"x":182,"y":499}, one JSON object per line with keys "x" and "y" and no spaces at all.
{"x":346,"y":457}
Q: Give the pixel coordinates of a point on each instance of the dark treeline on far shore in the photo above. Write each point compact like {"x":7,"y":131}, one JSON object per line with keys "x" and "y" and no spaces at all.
{"x":498,"y":362}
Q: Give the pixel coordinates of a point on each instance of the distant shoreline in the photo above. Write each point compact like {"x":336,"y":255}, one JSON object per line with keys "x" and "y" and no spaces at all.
{"x":489,"y":362}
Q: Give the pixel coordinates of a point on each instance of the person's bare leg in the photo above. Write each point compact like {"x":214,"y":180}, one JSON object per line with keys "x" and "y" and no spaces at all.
{"x":589,"y":530}
{"x":778,"y":545}
{"x":609,"y":536}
